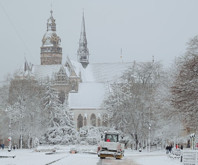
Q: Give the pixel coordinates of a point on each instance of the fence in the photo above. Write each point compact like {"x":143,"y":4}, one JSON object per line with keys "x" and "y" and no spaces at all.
{"x":190,"y":157}
{"x":176,"y":153}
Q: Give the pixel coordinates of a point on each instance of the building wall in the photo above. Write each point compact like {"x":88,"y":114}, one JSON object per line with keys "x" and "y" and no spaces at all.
{"x":87,"y":113}
{"x":51,"y":59}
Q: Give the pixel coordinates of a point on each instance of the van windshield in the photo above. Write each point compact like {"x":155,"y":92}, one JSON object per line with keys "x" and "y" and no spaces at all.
{"x":111,"y":138}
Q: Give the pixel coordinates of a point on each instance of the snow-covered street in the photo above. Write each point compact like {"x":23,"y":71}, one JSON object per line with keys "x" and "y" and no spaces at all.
{"x":62,"y":156}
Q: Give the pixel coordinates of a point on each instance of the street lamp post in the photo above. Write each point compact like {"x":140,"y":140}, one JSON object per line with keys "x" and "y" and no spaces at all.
{"x":149,"y":137}
{"x":9,"y":138}
{"x":21,"y":132}
{"x":10,"y":131}
{"x":149,"y":126}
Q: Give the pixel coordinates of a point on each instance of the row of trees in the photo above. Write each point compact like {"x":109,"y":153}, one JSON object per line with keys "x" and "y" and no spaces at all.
{"x":149,"y":102}
{"x":132,"y":104}
{"x":33,"y":113}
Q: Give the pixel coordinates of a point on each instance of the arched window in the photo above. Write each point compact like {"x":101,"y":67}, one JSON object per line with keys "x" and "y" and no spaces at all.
{"x":105,"y":120}
{"x":99,"y":122}
{"x":93,"y":119}
{"x":73,"y":85}
{"x":79,"y":122}
{"x":85,"y":121}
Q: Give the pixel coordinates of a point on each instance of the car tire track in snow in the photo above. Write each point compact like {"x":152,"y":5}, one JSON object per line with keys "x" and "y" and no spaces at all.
{"x":56,"y":160}
{"x":110,"y":161}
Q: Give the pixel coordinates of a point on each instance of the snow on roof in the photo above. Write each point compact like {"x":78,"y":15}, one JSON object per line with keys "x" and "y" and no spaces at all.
{"x":94,"y":72}
{"x":94,"y":79}
{"x":42,"y":72}
{"x":90,"y":95}
{"x":86,"y":74}
{"x":76,"y":65}
{"x":104,"y":72}
{"x":101,"y":72}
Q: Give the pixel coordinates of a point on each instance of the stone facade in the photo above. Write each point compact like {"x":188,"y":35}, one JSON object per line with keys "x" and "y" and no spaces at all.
{"x":51,"y":52}
{"x":89,"y":117}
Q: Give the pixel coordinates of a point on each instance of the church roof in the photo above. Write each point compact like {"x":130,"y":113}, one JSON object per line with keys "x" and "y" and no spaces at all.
{"x":101,"y":72}
{"x":90,"y":95}
{"x":95,"y":72}
{"x":107,"y":72}
{"x":95,"y":80}
{"x":43,"y":72}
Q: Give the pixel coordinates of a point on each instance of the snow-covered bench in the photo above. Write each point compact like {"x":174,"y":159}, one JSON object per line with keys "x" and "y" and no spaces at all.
{"x":45,"y":149}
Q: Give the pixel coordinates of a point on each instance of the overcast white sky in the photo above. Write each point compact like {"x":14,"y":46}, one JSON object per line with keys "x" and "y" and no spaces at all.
{"x":142,"y":28}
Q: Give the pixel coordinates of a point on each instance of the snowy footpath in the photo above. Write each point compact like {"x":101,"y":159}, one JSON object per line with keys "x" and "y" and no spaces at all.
{"x":86,"y":156}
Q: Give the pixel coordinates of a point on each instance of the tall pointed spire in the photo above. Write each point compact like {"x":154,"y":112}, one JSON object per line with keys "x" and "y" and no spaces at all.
{"x":83,"y":32}
{"x":83,"y":52}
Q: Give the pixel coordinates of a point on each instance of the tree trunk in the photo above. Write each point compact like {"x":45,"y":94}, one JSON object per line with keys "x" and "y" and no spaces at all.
{"x":136,"y":142}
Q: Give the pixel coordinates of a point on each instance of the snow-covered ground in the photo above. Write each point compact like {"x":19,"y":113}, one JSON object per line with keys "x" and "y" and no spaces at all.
{"x":85,"y":156}
{"x":152,"y":158}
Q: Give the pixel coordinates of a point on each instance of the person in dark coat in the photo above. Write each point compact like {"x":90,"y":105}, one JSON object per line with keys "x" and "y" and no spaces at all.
{"x":170,"y":148}
{"x":2,"y":146}
{"x":167,"y":149}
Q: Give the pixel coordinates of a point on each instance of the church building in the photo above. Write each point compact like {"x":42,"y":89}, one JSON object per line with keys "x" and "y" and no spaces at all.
{"x":82,"y":83}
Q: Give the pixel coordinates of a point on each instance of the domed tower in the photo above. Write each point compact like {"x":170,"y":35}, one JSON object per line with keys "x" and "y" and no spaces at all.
{"x":83,"y":52}
{"x":51,"y":52}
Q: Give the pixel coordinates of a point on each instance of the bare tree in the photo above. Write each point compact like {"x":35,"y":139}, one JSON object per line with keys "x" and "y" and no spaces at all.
{"x":168,"y":121}
{"x":24,"y":103}
{"x":130,"y":103}
{"x":185,"y":87}
{"x":4,"y":126}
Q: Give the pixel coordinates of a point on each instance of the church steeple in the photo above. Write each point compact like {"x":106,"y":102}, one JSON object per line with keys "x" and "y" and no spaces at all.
{"x":83,"y":52}
{"x":51,"y":52}
{"x":51,"y":25}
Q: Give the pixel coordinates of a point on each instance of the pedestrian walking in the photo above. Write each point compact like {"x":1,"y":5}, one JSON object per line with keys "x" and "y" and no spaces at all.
{"x":2,"y":146}
{"x":167,"y":149}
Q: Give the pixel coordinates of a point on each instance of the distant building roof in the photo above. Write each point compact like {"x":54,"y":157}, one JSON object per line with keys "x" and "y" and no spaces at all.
{"x":94,"y":72}
{"x":101,"y":72}
{"x":42,"y":72}
{"x":95,"y":79}
{"x":106,"y":72}
{"x":90,"y":95}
